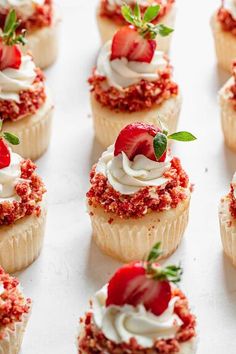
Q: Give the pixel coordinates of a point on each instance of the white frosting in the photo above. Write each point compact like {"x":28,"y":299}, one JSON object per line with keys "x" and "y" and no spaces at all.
{"x":126,"y":176}
{"x":114,"y":3}
{"x":2,"y":290}
{"x":234,"y":184}
{"x":12,"y":81}
{"x":9,"y":177}
{"x":121,"y":73}
{"x":23,"y":8}
{"x":230,"y":5}
{"x":120,"y":324}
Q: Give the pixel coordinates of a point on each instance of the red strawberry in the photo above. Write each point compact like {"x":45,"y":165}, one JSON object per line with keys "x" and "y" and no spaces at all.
{"x":132,"y":286}
{"x":137,"y":138}
{"x":128,"y":43}
{"x":10,"y":56}
{"x":5,"y":156}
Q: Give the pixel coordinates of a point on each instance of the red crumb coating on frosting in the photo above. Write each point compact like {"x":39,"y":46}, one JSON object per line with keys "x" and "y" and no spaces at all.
{"x":139,"y":204}
{"x":30,"y":190}
{"x":232,"y":89}
{"x":232,"y":201}
{"x":13,"y":305}
{"x":93,"y":340}
{"x":42,"y":17}
{"x":116,"y":16}
{"x":228,"y":23}
{"x":30,"y":100}
{"x":136,"y":97}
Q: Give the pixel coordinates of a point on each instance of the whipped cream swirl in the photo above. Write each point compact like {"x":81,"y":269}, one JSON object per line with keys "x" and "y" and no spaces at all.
{"x":234,"y":184}
{"x":2,"y":290}
{"x":9,"y":177}
{"x":121,"y":73}
{"x":120,"y":324}
{"x":23,"y":8}
{"x":230,"y":5}
{"x":12,"y":81}
{"x":128,"y":177}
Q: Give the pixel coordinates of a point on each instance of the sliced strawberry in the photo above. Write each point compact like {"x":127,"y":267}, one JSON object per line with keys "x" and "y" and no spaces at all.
{"x":128,"y":43}
{"x":132,"y":286}
{"x":5,"y":156}
{"x":137,"y":139}
{"x":10,"y":56}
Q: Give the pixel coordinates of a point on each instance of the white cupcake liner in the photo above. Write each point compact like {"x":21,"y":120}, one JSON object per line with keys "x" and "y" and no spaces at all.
{"x":227,"y":230}
{"x":225,"y":45}
{"x":228,"y":116}
{"x":12,"y":341}
{"x":21,"y":242}
{"x":108,"y":123}
{"x":107,"y":29}
{"x":34,"y":132}
{"x":132,"y":239}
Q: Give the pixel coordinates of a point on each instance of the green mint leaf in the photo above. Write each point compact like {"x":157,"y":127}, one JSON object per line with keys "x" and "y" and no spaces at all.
{"x":155,"y":253}
{"x":182,"y":136}
{"x":160,"y":144}
{"x":11,"y":138}
{"x":137,"y":12}
{"x":10,"y":22}
{"x":127,"y":14}
{"x":1,"y":123}
{"x":151,"y":13}
{"x":163,"y":30}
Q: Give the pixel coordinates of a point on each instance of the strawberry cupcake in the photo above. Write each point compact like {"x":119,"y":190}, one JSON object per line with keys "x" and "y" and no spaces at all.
{"x":39,"y":19}
{"x":25,"y":105}
{"x":110,"y":18}
{"x":14,"y":314}
{"x":227,"y":218}
{"x":22,"y":208}
{"x":139,"y":194}
{"x":223,"y":25}
{"x":140,"y":311}
{"x":133,"y":81}
{"x":227,"y":99}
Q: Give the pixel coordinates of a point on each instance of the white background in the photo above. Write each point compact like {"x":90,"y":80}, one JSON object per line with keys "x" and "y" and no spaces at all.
{"x":71,"y":267}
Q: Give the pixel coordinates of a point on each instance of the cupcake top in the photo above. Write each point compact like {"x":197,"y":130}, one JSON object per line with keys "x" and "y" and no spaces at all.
{"x":226,"y":15}
{"x":229,"y":90}
{"x":33,"y":14}
{"x":139,"y":310}
{"x":21,"y":189}
{"x":22,"y":88}
{"x":131,"y":73}
{"x":111,"y":9}
{"x":138,"y":174}
{"x":232,"y":197}
{"x":13,"y":305}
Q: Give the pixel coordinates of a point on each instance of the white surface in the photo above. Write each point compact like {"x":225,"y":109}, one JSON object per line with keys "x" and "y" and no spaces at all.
{"x":71,"y":268}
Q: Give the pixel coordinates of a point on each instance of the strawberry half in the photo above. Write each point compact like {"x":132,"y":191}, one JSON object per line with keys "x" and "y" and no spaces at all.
{"x":5,"y":156}
{"x":137,"y":139}
{"x":10,"y":56}
{"x":128,"y":43}
{"x":132,"y":286}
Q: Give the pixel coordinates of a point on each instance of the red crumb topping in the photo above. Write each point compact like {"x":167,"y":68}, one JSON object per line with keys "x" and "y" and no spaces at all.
{"x":30,"y":189}
{"x":232,"y":204}
{"x":136,"y":97}
{"x":30,"y":100}
{"x":115,"y":15}
{"x":228,"y":23}
{"x":42,"y":17}
{"x":137,"y":205}
{"x":13,"y":306}
{"x":93,"y":340}
{"x":232,"y":89}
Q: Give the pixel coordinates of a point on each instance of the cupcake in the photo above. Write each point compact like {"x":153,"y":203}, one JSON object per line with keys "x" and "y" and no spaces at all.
{"x":133,"y":82}
{"x":22,"y":209}
{"x":25,"y":105}
{"x":223,"y":25}
{"x":141,"y":311}
{"x":227,"y":218}
{"x":110,"y":18}
{"x":39,"y":19}
{"x":139,"y":194}
{"x":227,"y":99}
{"x":14,"y":314}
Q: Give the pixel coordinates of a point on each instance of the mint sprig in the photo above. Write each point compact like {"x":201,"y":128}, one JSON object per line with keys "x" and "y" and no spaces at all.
{"x":9,"y":35}
{"x":143,"y":23}
{"x":11,"y":138}
{"x":171,"y":273}
{"x":160,"y":141}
